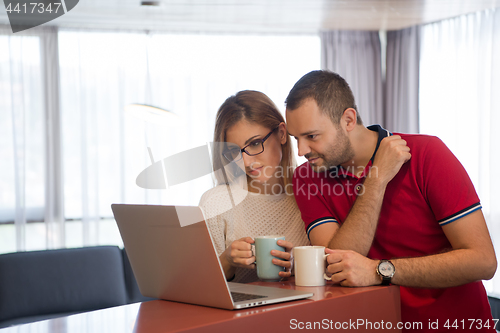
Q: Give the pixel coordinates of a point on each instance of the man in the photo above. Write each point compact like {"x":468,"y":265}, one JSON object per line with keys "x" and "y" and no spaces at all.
{"x":417,"y":223}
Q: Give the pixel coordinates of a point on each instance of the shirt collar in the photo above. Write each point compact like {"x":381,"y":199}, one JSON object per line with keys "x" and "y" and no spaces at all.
{"x":382,"y":133}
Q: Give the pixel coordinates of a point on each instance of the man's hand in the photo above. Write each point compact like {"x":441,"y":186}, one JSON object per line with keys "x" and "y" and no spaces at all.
{"x":239,"y":253}
{"x":390,"y":157}
{"x":286,"y":256}
{"x":351,"y":269}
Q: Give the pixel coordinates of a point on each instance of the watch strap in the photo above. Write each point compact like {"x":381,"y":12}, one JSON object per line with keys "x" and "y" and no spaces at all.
{"x":386,"y":281}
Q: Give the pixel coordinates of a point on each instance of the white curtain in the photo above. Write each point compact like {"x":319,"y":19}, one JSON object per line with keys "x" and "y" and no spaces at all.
{"x":460,"y":102}
{"x":27,"y":83}
{"x":402,"y":75}
{"x":355,"y":55}
{"x":71,"y":150}
{"x":101,"y":72}
{"x":54,"y":195}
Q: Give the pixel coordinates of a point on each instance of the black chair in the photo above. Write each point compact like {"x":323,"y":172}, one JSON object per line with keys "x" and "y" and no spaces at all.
{"x":44,"y":284}
{"x":495,"y":308}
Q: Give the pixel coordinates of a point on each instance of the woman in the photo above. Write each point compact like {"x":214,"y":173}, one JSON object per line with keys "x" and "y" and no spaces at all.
{"x":251,"y":131}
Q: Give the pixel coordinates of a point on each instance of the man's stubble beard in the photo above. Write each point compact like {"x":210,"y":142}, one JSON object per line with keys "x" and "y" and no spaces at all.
{"x":339,"y":152}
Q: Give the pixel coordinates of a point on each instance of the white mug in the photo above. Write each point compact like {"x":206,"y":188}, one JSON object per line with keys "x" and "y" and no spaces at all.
{"x":310,"y":264}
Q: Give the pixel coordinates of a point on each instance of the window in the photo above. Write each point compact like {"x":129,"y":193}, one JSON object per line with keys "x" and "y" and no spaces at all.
{"x":459,"y":81}
{"x":22,"y":128}
{"x":104,"y":149}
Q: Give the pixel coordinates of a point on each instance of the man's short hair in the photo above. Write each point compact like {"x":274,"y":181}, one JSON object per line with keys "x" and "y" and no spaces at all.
{"x":330,"y":91}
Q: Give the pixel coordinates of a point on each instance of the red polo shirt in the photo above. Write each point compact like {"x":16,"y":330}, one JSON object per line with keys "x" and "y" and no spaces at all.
{"x":430,"y":190}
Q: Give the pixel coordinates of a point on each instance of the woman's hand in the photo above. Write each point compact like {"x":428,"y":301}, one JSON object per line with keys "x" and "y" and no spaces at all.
{"x":286,"y":256}
{"x":239,"y":253}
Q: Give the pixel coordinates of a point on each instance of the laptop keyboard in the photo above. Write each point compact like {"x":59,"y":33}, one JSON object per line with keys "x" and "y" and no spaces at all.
{"x":238,"y":297}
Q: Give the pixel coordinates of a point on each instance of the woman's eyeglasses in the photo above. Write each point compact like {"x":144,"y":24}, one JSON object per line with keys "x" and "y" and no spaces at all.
{"x":255,"y":147}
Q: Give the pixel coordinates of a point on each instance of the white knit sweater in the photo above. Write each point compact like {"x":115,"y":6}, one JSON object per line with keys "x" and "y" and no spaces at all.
{"x":255,"y":215}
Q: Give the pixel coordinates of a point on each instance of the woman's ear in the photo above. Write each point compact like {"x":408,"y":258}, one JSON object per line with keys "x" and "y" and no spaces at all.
{"x":282,"y":133}
{"x":349,"y":119}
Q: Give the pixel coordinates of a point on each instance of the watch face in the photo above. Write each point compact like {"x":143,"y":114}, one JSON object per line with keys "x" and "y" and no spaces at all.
{"x":386,"y":269}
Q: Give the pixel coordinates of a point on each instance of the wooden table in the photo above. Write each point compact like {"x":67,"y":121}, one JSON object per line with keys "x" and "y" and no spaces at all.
{"x":331,"y":307}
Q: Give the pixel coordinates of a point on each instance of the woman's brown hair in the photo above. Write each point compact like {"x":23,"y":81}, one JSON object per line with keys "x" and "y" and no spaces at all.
{"x":255,"y":107}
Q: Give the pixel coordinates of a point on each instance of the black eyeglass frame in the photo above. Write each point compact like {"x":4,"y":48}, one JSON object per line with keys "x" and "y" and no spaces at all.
{"x":243,"y":150}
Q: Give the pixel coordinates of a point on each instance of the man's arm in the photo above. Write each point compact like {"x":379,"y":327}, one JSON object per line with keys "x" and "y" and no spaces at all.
{"x":322,"y":234}
{"x":472,"y":258}
{"x":358,"y":230}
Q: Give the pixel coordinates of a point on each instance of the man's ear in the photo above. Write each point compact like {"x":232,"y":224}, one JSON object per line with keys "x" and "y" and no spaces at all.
{"x":282,"y":133}
{"x":349,"y":119}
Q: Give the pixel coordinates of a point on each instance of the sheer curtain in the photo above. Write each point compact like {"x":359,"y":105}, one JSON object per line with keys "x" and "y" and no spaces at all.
{"x":355,"y":55}
{"x":101,"y":72}
{"x":402,"y":75}
{"x":26,"y":101}
{"x":71,"y":150}
{"x":460,"y":103}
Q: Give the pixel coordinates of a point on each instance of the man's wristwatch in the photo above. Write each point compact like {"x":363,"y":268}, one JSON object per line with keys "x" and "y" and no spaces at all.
{"x":386,"y":270}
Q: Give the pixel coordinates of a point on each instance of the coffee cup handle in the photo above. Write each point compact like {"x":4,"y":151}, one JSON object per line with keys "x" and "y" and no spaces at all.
{"x":326,"y":277}
{"x":252,"y":246}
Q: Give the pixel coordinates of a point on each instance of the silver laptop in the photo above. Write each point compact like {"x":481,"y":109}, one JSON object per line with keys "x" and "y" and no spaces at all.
{"x":173,"y":258}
